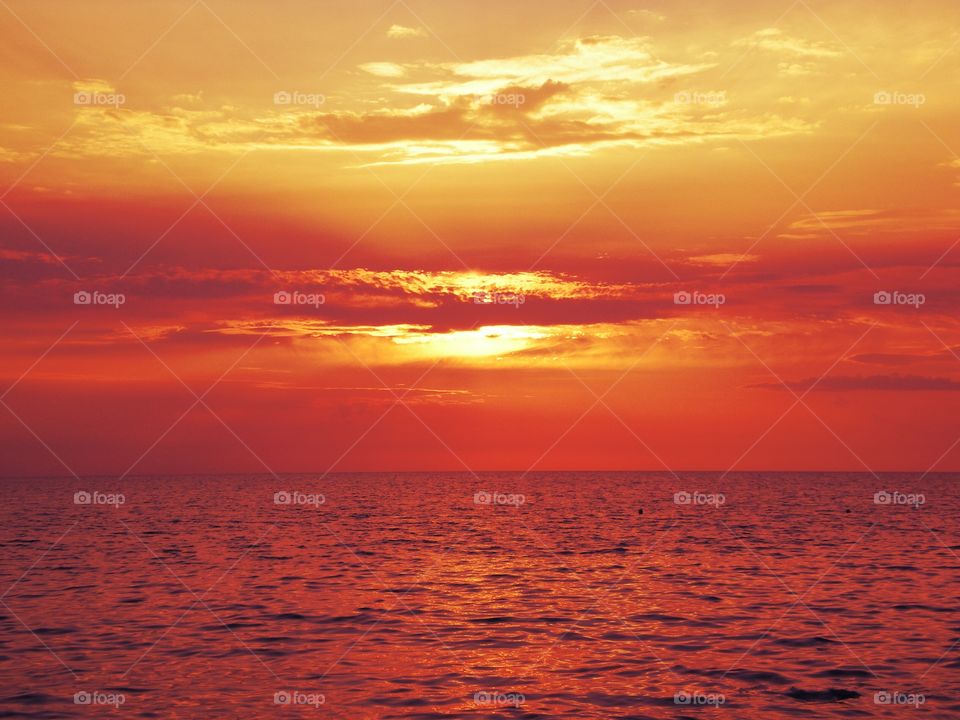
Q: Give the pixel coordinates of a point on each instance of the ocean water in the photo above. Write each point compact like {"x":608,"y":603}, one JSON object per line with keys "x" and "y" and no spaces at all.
{"x":432,"y":595}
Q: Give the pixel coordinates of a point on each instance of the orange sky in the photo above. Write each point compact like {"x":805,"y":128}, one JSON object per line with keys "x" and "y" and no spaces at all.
{"x":577,"y":163}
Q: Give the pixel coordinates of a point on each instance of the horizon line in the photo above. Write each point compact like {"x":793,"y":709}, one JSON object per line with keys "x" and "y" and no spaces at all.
{"x":524,"y":473}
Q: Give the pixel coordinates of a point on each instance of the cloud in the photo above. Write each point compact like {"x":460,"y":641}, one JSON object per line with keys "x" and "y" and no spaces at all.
{"x":383,"y":69}
{"x":841,"y":219}
{"x":955,"y":164}
{"x":588,"y":94}
{"x":904,"y":358}
{"x":893,"y":383}
{"x":93,"y":85}
{"x":189,"y":99}
{"x":517,"y":98}
{"x":776,"y":41}
{"x":870,"y":220}
{"x":469,"y":129}
{"x":423,"y":122}
{"x":646,"y":15}
{"x":12,"y":156}
{"x":401,"y":31}
{"x":597,"y":59}
{"x":794,"y":69}
{"x":723,"y":260}
{"x":27,"y":256}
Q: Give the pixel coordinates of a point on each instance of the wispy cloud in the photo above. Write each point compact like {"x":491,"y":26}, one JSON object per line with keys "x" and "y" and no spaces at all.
{"x":384,"y":69}
{"x":587,"y":94}
{"x":872,"y":220}
{"x":776,"y":40}
{"x":402,"y":31}
{"x":891,"y":383}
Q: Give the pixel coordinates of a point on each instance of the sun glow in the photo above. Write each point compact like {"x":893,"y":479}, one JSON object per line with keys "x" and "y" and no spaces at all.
{"x":484,"y":342}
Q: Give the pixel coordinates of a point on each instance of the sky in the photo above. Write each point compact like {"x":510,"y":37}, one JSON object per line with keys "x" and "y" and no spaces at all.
{"x":396,"y":236}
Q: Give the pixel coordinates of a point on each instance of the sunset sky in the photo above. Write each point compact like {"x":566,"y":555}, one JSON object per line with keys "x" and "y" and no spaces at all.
{"x":577,"y":163}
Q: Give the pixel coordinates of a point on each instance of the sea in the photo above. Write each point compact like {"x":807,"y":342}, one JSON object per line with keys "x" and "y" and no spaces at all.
{"x":489,"y":595}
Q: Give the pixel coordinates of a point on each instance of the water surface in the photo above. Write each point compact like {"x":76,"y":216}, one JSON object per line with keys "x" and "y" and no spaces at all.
{"x":452,"y":595}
